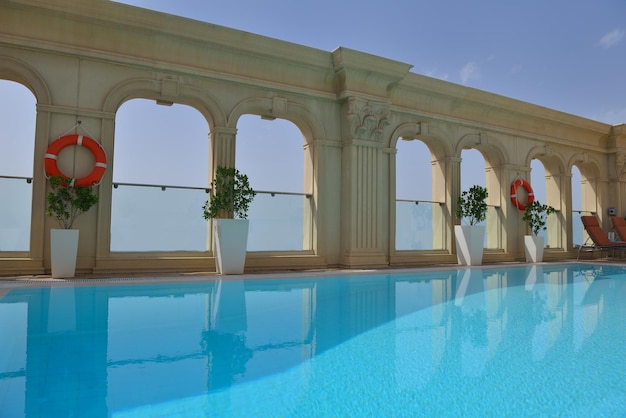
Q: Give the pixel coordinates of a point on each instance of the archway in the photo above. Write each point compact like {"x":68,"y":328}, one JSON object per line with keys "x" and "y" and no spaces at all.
{"x":18,"y":120}
{"x":161,"y":172}
{"x":271,"y":153}
{"x":415,"y":208}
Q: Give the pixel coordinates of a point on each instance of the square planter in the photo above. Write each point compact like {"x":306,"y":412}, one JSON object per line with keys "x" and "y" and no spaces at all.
{"x":231,"y":241}
{"x":63,"y":252}
{"x":470,"y":241}
{"x":533,"y":247}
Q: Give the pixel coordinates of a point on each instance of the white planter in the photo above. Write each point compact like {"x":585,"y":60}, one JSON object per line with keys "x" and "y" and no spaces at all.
{"x":470,"y":241}
{"x":63,"y":251}
{"x":533,"y":246}
{"x":231,"y":240}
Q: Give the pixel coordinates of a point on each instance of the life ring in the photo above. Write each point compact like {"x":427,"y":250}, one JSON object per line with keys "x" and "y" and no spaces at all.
{"x":531,"y":196}
{"x":96,"y":149}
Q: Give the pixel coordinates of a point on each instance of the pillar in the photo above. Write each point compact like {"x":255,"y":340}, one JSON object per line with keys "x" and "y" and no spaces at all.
{"x":365,"y":192}
{"x":451,"y":186}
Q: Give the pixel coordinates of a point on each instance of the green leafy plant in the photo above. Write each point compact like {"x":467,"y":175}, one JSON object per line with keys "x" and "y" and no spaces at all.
{"x":66,"y":203}
{"x":472,"y":204}
{"x":536,"y":215}
{"x":231,"y":197}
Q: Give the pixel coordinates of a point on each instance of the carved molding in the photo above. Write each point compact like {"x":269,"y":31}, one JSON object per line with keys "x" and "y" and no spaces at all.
{"x":367,"y":120}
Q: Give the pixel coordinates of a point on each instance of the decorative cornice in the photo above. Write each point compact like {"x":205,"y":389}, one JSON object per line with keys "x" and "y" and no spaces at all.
{"x":366,"y":75}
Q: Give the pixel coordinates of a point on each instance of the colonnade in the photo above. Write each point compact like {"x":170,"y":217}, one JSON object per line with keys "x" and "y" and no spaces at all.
{"x":351,"y":108}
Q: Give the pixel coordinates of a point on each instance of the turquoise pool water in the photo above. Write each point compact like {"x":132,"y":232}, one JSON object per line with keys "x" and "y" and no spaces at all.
{"x":546,"y":340}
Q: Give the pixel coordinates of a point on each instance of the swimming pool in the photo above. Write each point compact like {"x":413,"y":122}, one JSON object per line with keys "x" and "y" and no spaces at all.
{"x":539,"y":340}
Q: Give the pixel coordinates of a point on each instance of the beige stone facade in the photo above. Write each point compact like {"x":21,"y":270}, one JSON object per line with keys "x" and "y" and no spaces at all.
{"x":83,"y":60}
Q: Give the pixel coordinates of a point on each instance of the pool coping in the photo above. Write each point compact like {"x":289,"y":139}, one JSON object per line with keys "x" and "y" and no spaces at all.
{"x":87,"y":279}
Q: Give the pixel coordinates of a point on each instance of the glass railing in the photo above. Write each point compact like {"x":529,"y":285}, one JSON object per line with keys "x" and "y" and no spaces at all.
{"x":169,"y":218}
{"x":157,"y":218}
{"x":280,"y":221}
{"x":418,"y":225}
{"x":15,"y":213}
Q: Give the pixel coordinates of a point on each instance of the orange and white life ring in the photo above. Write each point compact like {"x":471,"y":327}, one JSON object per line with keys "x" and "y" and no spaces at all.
{"x":531,"y":196}
{"x":96,"y":149}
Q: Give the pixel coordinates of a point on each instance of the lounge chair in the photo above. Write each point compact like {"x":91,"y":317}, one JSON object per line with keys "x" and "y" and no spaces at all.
{"x":599,"y":237}
{"x":619,"y":226}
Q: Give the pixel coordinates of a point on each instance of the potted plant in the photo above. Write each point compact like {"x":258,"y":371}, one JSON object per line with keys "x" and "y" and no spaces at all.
{"x":65,"y":204}
{"x":228,"y":208}
{"x":472,"y":206}
{"x":535,"y":216}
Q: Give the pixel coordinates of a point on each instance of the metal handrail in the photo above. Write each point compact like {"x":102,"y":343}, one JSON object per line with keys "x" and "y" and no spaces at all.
{"x":160,"y":186}
{"x":205,"y":189}
{"x":28,"y":179}
{"x":417,"y":202}
{"x":273,"y":193}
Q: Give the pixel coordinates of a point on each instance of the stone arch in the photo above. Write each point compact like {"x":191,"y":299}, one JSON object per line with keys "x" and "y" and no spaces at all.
{"x":416,"y":130}
{"x":439,"y":151}
{"x":492,"y":149}
{"x":495,"y":155}
{"x":20,"y":72}
{"x":310,"y":130}
{"x":281,"y":108}
{"x":496,"y":176}
{"x":589,"y":167}
{"x":439,"y":157}
{"x":590,"y":170}
{"x":557,"y":192}
{"x":158,"y":90}
{"x":553,"y":163}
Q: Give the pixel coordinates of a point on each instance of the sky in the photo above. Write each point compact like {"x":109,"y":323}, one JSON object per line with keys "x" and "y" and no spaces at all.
{"x":568,"y":55}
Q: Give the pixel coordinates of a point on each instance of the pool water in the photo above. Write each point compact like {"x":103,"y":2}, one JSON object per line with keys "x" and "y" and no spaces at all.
{"x":540,"y":340}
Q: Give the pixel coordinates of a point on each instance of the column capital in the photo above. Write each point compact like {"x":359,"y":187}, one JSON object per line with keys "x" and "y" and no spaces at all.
{"x":366,"y":119}
{"x":223,"y":130}
{"x":223,"y":147}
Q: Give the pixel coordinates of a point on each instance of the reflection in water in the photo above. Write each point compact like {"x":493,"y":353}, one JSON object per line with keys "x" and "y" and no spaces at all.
{"x":225,"y":342}
{"x":438,"y":340}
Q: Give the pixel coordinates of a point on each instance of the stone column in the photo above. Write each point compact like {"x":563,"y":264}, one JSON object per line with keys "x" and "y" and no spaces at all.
{"x":222,"y":154}
{"x":566,"y":209}
{"x":513,"y":228}
{"x":617,"y":169}
{"x":556,"y":184}
{"x":451,"y":185}
{"x":326,"y":189}
{"x":365,"y":192}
